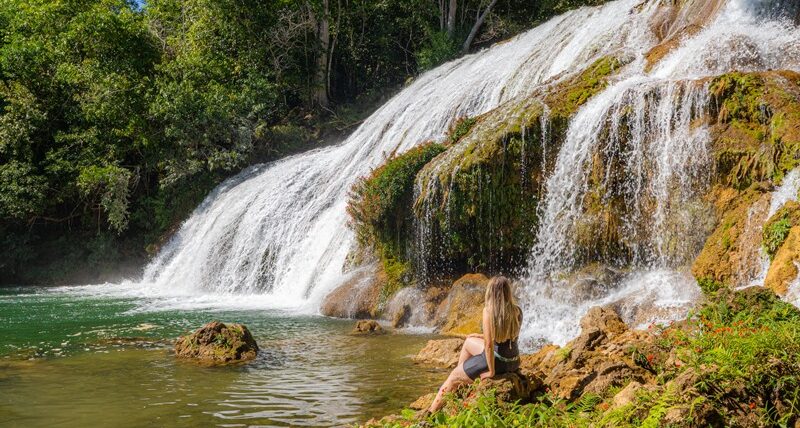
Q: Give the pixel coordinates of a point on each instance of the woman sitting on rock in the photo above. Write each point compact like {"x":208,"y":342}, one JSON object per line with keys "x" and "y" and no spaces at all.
{"x":493,"y":352}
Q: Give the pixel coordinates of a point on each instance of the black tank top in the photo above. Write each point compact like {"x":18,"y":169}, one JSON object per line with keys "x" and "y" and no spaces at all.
{"x":508,"y":350}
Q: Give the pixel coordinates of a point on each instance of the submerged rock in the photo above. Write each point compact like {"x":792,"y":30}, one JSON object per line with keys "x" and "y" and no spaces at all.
{"x":218,"y":343}
{"x":440,"y":353}
{"x":368,"y":327}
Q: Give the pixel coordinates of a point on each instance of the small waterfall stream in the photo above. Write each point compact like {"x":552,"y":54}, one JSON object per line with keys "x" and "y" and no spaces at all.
{"x":649,"y":131}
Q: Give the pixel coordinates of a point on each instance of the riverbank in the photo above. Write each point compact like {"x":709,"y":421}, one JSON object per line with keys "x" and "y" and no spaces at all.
{"x":734,"y":361}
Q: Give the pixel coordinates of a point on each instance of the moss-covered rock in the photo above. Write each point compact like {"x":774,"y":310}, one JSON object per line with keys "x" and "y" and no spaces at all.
{"x":756,"y":131}
{"x":731,"y":254}
{"x":783,"y":269}
{"x":380,"y":214}
{"x":217,"y":343}
{"x":476,"y":204}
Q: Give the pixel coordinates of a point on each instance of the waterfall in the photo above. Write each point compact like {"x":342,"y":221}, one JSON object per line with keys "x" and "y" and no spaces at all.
{"x":279,"y":230}
{"x":643,"y":145}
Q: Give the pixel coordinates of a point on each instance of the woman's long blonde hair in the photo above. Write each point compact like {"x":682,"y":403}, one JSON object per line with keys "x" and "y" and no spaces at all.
{"x":502,"y":309}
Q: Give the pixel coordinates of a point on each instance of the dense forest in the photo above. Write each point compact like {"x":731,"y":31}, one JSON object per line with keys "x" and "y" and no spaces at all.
{"x":117,"y":117}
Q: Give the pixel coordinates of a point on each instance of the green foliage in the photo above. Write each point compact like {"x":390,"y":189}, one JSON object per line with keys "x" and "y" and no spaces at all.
{"x":380,"y":208}
{"x":775,"y":234}
{"x":709,"y":286}
{"x":461,"y":128}
{"x":440,"y":49}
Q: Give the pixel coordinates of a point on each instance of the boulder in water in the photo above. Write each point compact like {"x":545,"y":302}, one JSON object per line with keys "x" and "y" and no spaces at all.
{"x":356,"y":298}
{"x":218,"y":343}
{"x":440,"y":353}
{"x":368,"y":327}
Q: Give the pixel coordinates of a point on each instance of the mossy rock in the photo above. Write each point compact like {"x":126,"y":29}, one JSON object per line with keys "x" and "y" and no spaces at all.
{"x":217,"y":343}
{"x":478,"y":201}
{"x":783,"y":269}
{"x":380,"y":214}
{"x":756,"y":126}
{"x":734,"y":243}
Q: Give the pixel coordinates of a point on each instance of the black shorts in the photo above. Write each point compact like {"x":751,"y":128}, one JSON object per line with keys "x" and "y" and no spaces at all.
{"x":476,"y":365}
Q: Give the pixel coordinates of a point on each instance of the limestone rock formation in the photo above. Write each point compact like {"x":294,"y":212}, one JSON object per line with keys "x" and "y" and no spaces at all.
{"x":460,"y":313}
{"x":356,"y":298}
{"x":218,"y":343}
{"x":440,"y":353}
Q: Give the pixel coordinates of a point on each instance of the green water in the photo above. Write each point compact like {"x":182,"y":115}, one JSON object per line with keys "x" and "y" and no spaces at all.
{"x":73,"y":360}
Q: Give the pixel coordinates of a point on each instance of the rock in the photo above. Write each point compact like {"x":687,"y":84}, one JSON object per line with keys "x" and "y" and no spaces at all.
{"x":218,"y":343}
{"x":356,"y":298}
{"x":593,"y":281}
{"x":627,"y":395}
{"x":783,"y":269}
{"x":401,"y":317}
{"x":611,"y":374}
{"x":368,"y":327}
{"x":569,"y":385}
{"x":541,"y":362}
{"x":440,"y":353}
{"x":730,"y":256}
{"x":508,"y":387}
{"x":604,"y":319}
{"x":460,"y":313}
{"x":423,"y":402}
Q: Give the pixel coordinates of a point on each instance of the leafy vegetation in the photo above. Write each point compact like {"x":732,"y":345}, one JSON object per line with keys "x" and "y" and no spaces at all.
{"x":379,"y":209}
{"x":775,"y":234}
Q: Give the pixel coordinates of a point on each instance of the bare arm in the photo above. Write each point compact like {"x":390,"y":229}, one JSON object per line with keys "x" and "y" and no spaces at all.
{"x":488,"y":342}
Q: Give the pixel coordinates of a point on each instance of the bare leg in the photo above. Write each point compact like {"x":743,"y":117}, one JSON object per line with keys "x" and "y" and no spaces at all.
{"x":472,"y":346}
{"x":457,"y":378}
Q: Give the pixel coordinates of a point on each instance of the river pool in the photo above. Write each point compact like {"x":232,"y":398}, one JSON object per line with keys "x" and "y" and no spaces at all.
{"x":77,"y":357}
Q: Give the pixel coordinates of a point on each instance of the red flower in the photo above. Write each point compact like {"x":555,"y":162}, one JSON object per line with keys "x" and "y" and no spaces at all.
{"x":752,"y":405}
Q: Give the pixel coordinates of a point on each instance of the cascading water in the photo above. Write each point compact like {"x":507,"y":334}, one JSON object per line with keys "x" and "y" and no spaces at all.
{"x":647,"y":136}
{"x":279,"y":230}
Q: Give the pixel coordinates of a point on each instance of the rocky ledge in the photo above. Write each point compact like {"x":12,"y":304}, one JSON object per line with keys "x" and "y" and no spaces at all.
{"x":735,"y":361}
{"x":217,"y":343}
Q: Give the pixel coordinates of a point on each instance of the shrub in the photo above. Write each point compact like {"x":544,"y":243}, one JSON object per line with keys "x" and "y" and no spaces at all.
{"x":380,"y":208}
{"x":775,"y":234}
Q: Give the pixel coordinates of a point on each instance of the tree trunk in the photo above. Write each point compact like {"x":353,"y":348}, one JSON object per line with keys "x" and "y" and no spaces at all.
{"x":321,"y":78}
{"x":451,"y":17}
{"x":477,"y":26}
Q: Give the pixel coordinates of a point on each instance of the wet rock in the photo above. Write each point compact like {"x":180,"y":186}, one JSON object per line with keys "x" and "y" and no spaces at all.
{"x":356,"y":298}
{"x":401,"y":317}
{"x":218,"y":343}
{"x":460,"y":313}
{"x":440,"y":353}
{"x":783,"y":269}
{"x":371,"y":327}
{"x":593,"y":281}
{"x":604,"y":319}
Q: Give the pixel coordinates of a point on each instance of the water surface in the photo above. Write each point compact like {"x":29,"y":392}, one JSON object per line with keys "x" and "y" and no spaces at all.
{"x":71,"y":358}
